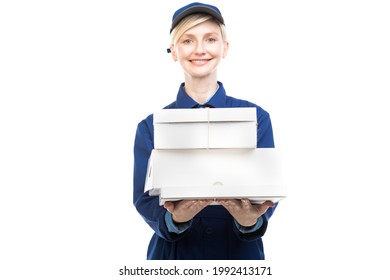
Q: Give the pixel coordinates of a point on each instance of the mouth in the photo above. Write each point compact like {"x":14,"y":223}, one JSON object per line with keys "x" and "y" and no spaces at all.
{"x":199,"y":61}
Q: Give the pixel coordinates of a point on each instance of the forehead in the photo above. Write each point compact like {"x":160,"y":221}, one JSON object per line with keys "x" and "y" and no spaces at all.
{"x":207,"y":27}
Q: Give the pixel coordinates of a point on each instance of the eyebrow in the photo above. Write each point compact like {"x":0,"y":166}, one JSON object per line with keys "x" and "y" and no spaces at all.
{"x":204,"y":35}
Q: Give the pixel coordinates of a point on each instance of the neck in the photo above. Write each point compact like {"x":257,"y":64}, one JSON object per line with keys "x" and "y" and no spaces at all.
{"x":202,"y":90}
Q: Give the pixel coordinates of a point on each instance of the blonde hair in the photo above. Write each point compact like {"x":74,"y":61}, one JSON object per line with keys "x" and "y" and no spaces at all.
{"x":192,"y":20}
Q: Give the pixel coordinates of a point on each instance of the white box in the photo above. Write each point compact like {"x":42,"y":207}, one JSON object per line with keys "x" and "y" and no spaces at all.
{"x":205,"y":128}
{"x":215,"y":173}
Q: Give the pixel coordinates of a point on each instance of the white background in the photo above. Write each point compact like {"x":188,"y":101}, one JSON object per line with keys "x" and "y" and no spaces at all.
{"x":77,"y":76}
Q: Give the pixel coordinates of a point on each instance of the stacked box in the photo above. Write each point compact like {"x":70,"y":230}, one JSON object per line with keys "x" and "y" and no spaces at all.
{"x":211,"y":153}
{"x":216,"y":128}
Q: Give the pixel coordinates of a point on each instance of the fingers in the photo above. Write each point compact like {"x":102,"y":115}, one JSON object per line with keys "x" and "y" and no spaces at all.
{"x":230,"y":202}
{"x":245,"y":206}
{"x":238,"y":208}
{"x":262,"y":208}
{"x":185,"y":210}
{"x":182,"y":203}
{"x":169,"y":206}
{"x":246,"y":203}
{"x":197,"y":203}
{"x":269,"y":203}
{"x":238,"y":203}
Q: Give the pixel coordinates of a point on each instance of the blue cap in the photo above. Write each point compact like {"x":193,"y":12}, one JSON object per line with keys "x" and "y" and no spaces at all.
{"x":194,"y":8}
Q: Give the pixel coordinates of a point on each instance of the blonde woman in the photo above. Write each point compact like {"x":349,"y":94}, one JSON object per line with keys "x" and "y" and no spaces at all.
{"x":194,"y":229}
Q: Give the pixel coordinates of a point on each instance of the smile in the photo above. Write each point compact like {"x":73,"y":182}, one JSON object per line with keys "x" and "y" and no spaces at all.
{"x":199,"y":61}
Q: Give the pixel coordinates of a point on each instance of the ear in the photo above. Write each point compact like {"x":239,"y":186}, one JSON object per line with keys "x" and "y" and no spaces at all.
{"x":173,"y":52}
{"x":225,"y":49}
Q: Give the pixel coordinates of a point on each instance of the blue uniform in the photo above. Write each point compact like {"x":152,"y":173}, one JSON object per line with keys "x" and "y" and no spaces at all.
{"x":213,"y":233}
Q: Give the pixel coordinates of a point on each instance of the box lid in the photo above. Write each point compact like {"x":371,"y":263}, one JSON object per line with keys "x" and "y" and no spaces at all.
{"x":241,"y":114}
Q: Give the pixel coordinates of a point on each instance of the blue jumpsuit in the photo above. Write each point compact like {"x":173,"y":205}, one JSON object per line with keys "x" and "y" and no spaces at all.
{"x":213,"y":233}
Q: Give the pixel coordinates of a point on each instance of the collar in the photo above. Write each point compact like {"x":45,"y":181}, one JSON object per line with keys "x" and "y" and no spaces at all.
{"x":183,"y":100}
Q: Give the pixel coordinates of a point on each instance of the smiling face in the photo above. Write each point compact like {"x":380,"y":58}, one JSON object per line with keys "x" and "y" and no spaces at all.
{"x":200,"y":49}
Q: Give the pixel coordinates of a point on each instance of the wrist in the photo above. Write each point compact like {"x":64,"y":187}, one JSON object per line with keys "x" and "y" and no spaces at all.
{"x":177,"y":220}
{"x":247,"y":223}
{"x":250,"y":229}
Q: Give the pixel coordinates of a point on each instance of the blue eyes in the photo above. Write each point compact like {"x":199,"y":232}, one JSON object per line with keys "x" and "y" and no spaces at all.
{"x":189,"y":41}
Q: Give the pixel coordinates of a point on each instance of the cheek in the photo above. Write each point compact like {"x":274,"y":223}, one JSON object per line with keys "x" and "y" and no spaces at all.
{"x":217,"y":50}
{"x":184,"y":51}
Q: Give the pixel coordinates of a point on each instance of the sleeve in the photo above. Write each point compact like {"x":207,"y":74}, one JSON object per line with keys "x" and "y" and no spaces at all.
{"x":265,"y":136}
{"x":147,"y":206}
{"x":249,"y":229}
{"x":175,"y":227}
{"x":255,"y":232}
{"x":265,"y":139}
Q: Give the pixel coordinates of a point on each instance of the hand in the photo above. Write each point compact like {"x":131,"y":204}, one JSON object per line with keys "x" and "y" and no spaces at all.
{"x":184,"y":210}
{"x":243,"y":211}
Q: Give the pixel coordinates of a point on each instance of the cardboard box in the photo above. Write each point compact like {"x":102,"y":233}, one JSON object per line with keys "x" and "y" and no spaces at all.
{"x":215,"y":173}
{"x":207,"y":128}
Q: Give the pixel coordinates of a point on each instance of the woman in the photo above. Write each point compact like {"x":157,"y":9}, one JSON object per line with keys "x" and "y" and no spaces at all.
{"x":194,"y":229}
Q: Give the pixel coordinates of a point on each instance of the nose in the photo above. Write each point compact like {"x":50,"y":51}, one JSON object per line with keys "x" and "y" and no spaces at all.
{"x":200,"y":49}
